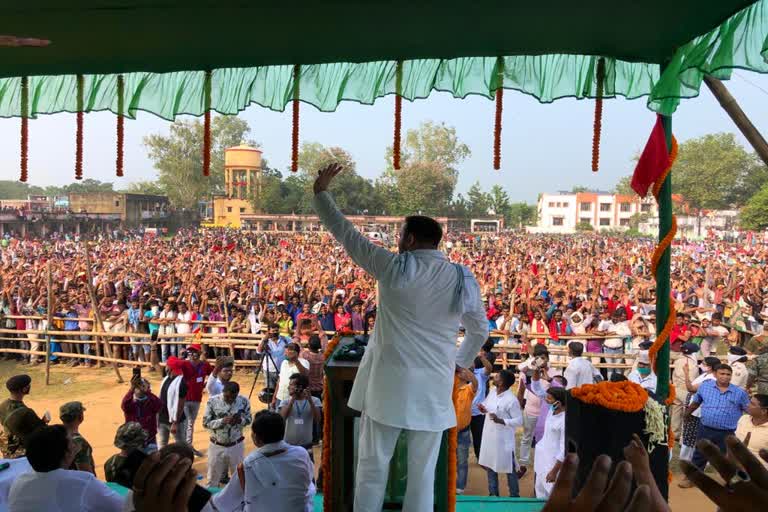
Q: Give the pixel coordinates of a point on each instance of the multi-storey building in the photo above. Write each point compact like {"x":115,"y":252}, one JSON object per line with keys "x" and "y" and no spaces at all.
{"x":562,"y":212}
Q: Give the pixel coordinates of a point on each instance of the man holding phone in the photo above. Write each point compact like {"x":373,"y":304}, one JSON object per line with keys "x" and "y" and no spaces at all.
{"x":225,"y":416}
{"x":301,"y":411}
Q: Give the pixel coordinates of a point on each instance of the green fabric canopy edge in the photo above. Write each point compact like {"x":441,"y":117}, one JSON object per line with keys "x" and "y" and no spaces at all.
{"x":741,"y":42}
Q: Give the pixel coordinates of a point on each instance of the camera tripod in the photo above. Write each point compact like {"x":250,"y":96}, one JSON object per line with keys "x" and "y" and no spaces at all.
{"x":268,"y":355}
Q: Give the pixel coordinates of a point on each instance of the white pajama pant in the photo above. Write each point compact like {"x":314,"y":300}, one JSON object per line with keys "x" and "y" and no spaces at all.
{"x":375,"y":449}
{"x":541,"y":487}
{"x":223,"y":461}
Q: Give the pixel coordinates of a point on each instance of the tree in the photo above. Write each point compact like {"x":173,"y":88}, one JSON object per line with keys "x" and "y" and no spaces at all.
{"x":145,"y":187}
{"x":522,"y":214}
{"x":584,"y":226}
{"x":87,"y":186}
{"x":424,"y":187}
{"x":624,"y":187}
{"x":499,"y":201}
{"x":479,"y":201}
{"x":178,"y":157}
{"x":11,"y":189}
{"x":712,"y":172}
{"x":579,"y":188}
{"x":754,"y":215}
{"x":434,"y":143}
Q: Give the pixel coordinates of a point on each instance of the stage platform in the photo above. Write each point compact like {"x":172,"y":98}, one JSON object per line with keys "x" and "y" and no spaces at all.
{"x":463,"y":503}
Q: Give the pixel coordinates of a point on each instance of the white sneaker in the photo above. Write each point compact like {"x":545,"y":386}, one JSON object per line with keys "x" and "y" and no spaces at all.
{"x":459,"y":491}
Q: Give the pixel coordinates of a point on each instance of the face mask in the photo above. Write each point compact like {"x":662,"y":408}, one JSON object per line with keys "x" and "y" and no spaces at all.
{"x":703,"y":368}
{"x":732,"y":358}
{"x":553,"y":407}
{"x":155,"y":309}
{"x":644,"y":371}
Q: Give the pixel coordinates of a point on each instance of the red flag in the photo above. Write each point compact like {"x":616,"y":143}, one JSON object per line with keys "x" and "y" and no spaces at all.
{"x":653,"y":161}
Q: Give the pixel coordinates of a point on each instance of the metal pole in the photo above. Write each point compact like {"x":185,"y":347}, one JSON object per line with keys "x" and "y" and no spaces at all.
{"x":49,"y":312}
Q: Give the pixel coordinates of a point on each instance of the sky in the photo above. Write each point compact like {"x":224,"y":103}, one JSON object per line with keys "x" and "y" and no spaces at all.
{"x":545,"y":148}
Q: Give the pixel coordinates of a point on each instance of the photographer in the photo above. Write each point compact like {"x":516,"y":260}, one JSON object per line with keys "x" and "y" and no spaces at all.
{"x":225,"y":416}
{"x":141,"y":405}
{"x":301,"y":411}
{"x":274,"y":345}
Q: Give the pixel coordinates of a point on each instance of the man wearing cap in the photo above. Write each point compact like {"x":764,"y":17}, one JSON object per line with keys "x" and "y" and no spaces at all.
{"x":11,"y":440}
{"x":71,"y":415}
{"x":129,"y":436}
{"x":173,"y":393}
{"x":737,"y":358}
{"x":643,"y":374}
{"x":195,"y":373}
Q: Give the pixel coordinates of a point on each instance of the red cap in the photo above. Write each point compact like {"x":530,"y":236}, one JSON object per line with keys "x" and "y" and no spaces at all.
{"x":195,"y":347}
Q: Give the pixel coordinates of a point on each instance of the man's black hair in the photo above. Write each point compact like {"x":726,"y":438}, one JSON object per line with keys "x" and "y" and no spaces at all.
{"x":268,"y":426}
{"x":425,"y":230}
{"x":558,"y":394}
{"x":46,"y":448}
{"x":301,"y":380}
{"x":762,"y":400}
{"x":231,"y":387}
{"x":723,"y":366}
{"x":507,"y":377}
{"x":618,"y":377}
{"x":576,"y":348}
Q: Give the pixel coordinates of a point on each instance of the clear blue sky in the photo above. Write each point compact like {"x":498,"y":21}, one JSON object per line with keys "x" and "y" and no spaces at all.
{"x":545,"y":147}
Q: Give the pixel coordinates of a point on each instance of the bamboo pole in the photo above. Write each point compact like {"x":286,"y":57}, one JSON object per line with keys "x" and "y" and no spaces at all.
{"x":49,"y":312}
{"x":222,"y":294}
{"x":96,"y":314}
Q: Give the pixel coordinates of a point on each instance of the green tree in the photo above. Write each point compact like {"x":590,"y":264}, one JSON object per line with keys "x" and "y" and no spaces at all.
{"x":145,"y":187}
{"x":712,"y":171}
{"x":584,"y":226}
{"x":88,"y":185}
{"x":754,"y":215}
{"x":479,"y":201}
{"x":624,"y":186}
{"x":11,"y":189}
{"x":424,"y":187}
{"x":178,"y":157}
{"x":522,"y":214}
{"x":434,"y":143}
{"x":499,"y":201}
{"x":579,"y":188}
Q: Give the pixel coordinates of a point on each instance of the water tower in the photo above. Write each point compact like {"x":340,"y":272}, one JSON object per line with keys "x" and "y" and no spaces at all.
{"x":242,"y":183}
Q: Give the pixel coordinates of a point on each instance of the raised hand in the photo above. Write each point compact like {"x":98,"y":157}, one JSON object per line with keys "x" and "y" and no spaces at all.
{"x":325,"y":176}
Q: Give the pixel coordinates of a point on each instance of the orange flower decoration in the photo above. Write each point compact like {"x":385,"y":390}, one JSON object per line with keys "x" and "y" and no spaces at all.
{"x":618,"y":396}
{"x":325,"y":464}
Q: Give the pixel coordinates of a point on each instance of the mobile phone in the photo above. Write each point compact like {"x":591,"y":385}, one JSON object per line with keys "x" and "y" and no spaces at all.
{"x":126,"y":473}
{"x":137,"y":373}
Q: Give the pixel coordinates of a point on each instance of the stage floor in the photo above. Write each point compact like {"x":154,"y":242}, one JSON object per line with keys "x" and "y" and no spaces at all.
{"x":481,"y":504}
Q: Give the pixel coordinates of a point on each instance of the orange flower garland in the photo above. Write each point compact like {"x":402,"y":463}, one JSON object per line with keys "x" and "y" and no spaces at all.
{"x":600,"y":76}
{"x":207,"y":125}
{"x":120,"y":125}
{"x":398,"y":115}
{"x":325,"y":463}
{"x":497,"y":120}
{"x":79,"y":133}
{"x":295,"y":126}
{"x":618,"y":396}
{"x":24,"y":128}
{"x":453,"y":444}
{"x":665,"y":243}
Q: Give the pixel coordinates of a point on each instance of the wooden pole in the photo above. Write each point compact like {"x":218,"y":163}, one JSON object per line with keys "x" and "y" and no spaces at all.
{"x":49,"y":312}
{"x":737,"y":115}
{"x":226,"y":317}
{"x":96,"y":315}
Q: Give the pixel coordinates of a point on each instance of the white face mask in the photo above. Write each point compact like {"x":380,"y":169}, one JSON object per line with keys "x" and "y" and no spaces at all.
{"x":732,"y":358}
{"x":703,"y":368}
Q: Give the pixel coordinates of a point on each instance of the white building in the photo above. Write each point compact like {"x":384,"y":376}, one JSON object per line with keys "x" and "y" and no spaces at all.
{"x":563,"y":211}
{"x":719,"y":221}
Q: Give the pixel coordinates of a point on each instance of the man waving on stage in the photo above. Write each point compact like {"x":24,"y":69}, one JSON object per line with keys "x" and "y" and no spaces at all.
{"x":405,"y":379}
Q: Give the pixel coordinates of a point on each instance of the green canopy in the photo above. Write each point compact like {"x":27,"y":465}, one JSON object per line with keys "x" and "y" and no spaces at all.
{"x":348,"y":51}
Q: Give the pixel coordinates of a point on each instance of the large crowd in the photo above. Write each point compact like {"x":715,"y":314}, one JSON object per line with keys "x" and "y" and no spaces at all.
{"x":560,"y":297}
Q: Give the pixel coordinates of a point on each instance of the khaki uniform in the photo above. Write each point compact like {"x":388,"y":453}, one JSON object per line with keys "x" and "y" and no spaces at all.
{"x":84,"y":452}
{"x":112,"y":467}
{"x":11,"y":446}
{"x":758,"y":370}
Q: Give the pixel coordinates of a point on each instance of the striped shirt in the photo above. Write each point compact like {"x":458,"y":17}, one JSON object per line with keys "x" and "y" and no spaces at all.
{"x":720,"y":409}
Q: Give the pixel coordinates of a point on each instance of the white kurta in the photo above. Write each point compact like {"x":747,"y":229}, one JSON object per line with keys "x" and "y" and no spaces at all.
{"x":549,"y":450}
{"x":406,"y":376}
{"x":497,"y":450}
{"x":579,"y":372}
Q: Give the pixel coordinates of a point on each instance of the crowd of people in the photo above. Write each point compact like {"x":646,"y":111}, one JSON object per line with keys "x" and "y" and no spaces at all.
{"x":575,"y":304}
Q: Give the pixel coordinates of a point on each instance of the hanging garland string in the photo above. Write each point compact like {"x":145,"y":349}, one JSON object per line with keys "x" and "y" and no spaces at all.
{"x":398,"y":114}
{"x":600,"y":75}
{"x":295,"y":119}
{"x":207,"y":124}
{"x":24,"y":128}
{"x":120,"y":125}
{"x":79,"y":134}
{"x":499,"y":108}
{"x":325,"y":461}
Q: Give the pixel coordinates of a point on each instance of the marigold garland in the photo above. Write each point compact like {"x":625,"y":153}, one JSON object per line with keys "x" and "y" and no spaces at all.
{"x":497,"y":120}
{"x":396,"y":149}
{"x":24,"y":128}
{"x":600,"y":76}
{"x":618,"y":396}
{"x":79,"y":133}
{"x":325,"y":463}
{"x":663,"y":245}
{"x":295,"y":125}
{"x":207,"y":125}
{"x":453,"y":444}
{"x":120,"y":125}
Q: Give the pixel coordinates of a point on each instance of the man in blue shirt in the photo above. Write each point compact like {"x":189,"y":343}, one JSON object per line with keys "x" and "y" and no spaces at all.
{"x":722,"y":404}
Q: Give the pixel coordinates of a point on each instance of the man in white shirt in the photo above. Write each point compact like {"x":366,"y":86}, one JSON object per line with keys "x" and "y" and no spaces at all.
{"x":222,"y":373}
{"x":618,"y":330}
{"x":737,"y":358}
{"x":643,"y":374}
{"x":580,"y":370}
{"x":276,"y":477}
{"x":51,"y":487}
{"x":291,"y":364}
{"x":405,"y":378}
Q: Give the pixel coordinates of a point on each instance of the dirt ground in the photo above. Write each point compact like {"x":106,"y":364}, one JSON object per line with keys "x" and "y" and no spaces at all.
{"x":100,"y":393}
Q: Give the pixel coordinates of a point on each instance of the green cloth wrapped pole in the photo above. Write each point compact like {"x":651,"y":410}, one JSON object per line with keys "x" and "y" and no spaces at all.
{"x":662,"y":272}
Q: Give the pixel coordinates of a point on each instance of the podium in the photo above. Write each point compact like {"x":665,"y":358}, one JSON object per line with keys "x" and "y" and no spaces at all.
{"x":344,"y":436}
